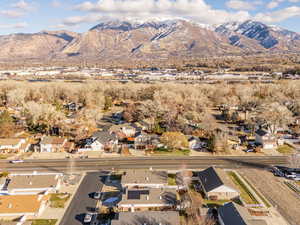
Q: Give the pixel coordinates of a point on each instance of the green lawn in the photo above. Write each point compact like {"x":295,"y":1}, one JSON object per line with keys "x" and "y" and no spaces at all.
{"x":171,"y":179}
{"x":212,"y":203}
{"x":44,"y":222}
{"x":58,"y":200}
{"x":176,"y":152}
{"x":244,"y":192}
{"x":285,"y":149}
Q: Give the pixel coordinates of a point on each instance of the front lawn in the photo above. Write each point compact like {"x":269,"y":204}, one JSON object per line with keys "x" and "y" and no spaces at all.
{"x":285,"y":149}
{"x":58,"y":200}
{"x":245,"y":194}
{"x":171,"y":179}
{"x":176,"y":152}
{"x":44,"y":222}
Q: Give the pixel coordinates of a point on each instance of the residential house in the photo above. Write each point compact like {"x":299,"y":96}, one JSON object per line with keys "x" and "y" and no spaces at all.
{"x":14,"y":206}
{"x":13,"y":145}
{"x":147,"y":198}
{"x":216,"y":185}
{"x":195,"y":143}
{"x":266,"y":139}
{"x":144,"y":178}
{"x":126,"y":130}
{"x":29,"y":184}
{"x":105,"y":140}
{"x":234,"y":214}
{"x":147,"y":218}
{"x":52,"y":144}
{"x":145,"y":141}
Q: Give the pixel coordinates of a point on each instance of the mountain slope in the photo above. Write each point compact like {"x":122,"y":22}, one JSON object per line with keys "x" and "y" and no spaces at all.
{"x":260,"y":35}
{"x":152,"y":39}
{"x":37,"y":46}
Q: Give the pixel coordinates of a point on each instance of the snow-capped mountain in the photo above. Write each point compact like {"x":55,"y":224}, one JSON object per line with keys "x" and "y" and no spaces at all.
{"x":150,"y":40}
{"x":267,"y":36}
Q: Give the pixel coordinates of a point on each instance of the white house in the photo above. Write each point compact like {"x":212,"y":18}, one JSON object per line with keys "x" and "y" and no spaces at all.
{"x":266,"y":139}
{"x":216,"y":185}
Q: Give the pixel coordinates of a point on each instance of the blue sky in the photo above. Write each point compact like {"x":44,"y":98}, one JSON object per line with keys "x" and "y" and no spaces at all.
{"x":29,"y":16}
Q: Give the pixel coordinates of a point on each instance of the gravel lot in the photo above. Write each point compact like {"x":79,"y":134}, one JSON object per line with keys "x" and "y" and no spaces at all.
{"x":285,"y":200}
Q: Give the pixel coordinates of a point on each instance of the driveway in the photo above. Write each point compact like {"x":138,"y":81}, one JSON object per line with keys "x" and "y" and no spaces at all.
{"x":83,"y":201}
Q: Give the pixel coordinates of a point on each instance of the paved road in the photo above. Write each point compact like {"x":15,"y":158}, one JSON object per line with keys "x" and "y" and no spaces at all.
{"x":82,"y":201}
{"x":63,"y":165}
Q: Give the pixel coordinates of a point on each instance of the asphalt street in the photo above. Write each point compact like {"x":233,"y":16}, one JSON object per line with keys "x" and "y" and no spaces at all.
{"x":83,"y":201}
{"x":64,"y":165}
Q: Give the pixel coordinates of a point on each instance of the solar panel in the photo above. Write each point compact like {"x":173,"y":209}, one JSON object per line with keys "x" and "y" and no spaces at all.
{"x":134,"y":195}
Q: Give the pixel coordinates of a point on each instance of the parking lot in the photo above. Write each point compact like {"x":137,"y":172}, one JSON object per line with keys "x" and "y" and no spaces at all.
{"x":286,"y":201}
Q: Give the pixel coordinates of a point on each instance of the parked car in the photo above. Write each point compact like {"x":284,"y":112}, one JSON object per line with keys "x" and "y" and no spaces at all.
{"x":97,"y":195}
{"x":16,"y":161}
{"x":290,"y":175}
{"x":88,"y":217}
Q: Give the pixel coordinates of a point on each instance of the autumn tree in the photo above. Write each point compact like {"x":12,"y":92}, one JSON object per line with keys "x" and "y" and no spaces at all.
{"x":274,"y":116}
{"x":7,"y":126}
{"x":174,"y":140}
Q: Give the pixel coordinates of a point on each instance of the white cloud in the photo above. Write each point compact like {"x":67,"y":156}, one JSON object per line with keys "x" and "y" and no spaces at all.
{"x":279,"y":15}
{"x":197,"y":10}
{"x":14,"y":26}
{"x":11,"y":13}
{"x":272,"y":4}
{"x":294,"y":1}
{"x":241,"y":5}
{"x":56,"y":3}
{"x":22,"y":4}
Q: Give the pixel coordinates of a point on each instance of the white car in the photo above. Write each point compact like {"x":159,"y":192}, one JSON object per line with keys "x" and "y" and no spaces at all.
{"x":97,"y":195}
{"x":16,"y":161}
{"x":88,"y":218}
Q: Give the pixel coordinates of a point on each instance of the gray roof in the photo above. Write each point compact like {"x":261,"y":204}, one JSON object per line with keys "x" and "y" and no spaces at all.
{"x":261,"y":132}
{"x":147,"y":218}
{"x":234,"y":214}
{"x":104,"y":136}
{"x":32,"y":181}
{"x":149,"y":196}
{"x":144,"y":177}
{"x":212,"y":178}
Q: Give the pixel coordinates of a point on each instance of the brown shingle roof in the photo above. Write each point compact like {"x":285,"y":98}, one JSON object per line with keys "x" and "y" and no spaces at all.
{"x":53,"y":140}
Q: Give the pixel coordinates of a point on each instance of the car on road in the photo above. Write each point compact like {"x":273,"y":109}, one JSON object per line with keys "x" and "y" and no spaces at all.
{"x":16,"y":161}
{"x":249,"y":150}
{"x":88,"y":217}
{"x":97,"y":195}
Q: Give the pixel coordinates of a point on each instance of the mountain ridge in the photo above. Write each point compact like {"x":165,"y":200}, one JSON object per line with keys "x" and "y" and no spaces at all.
{"x":151,"y":40}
